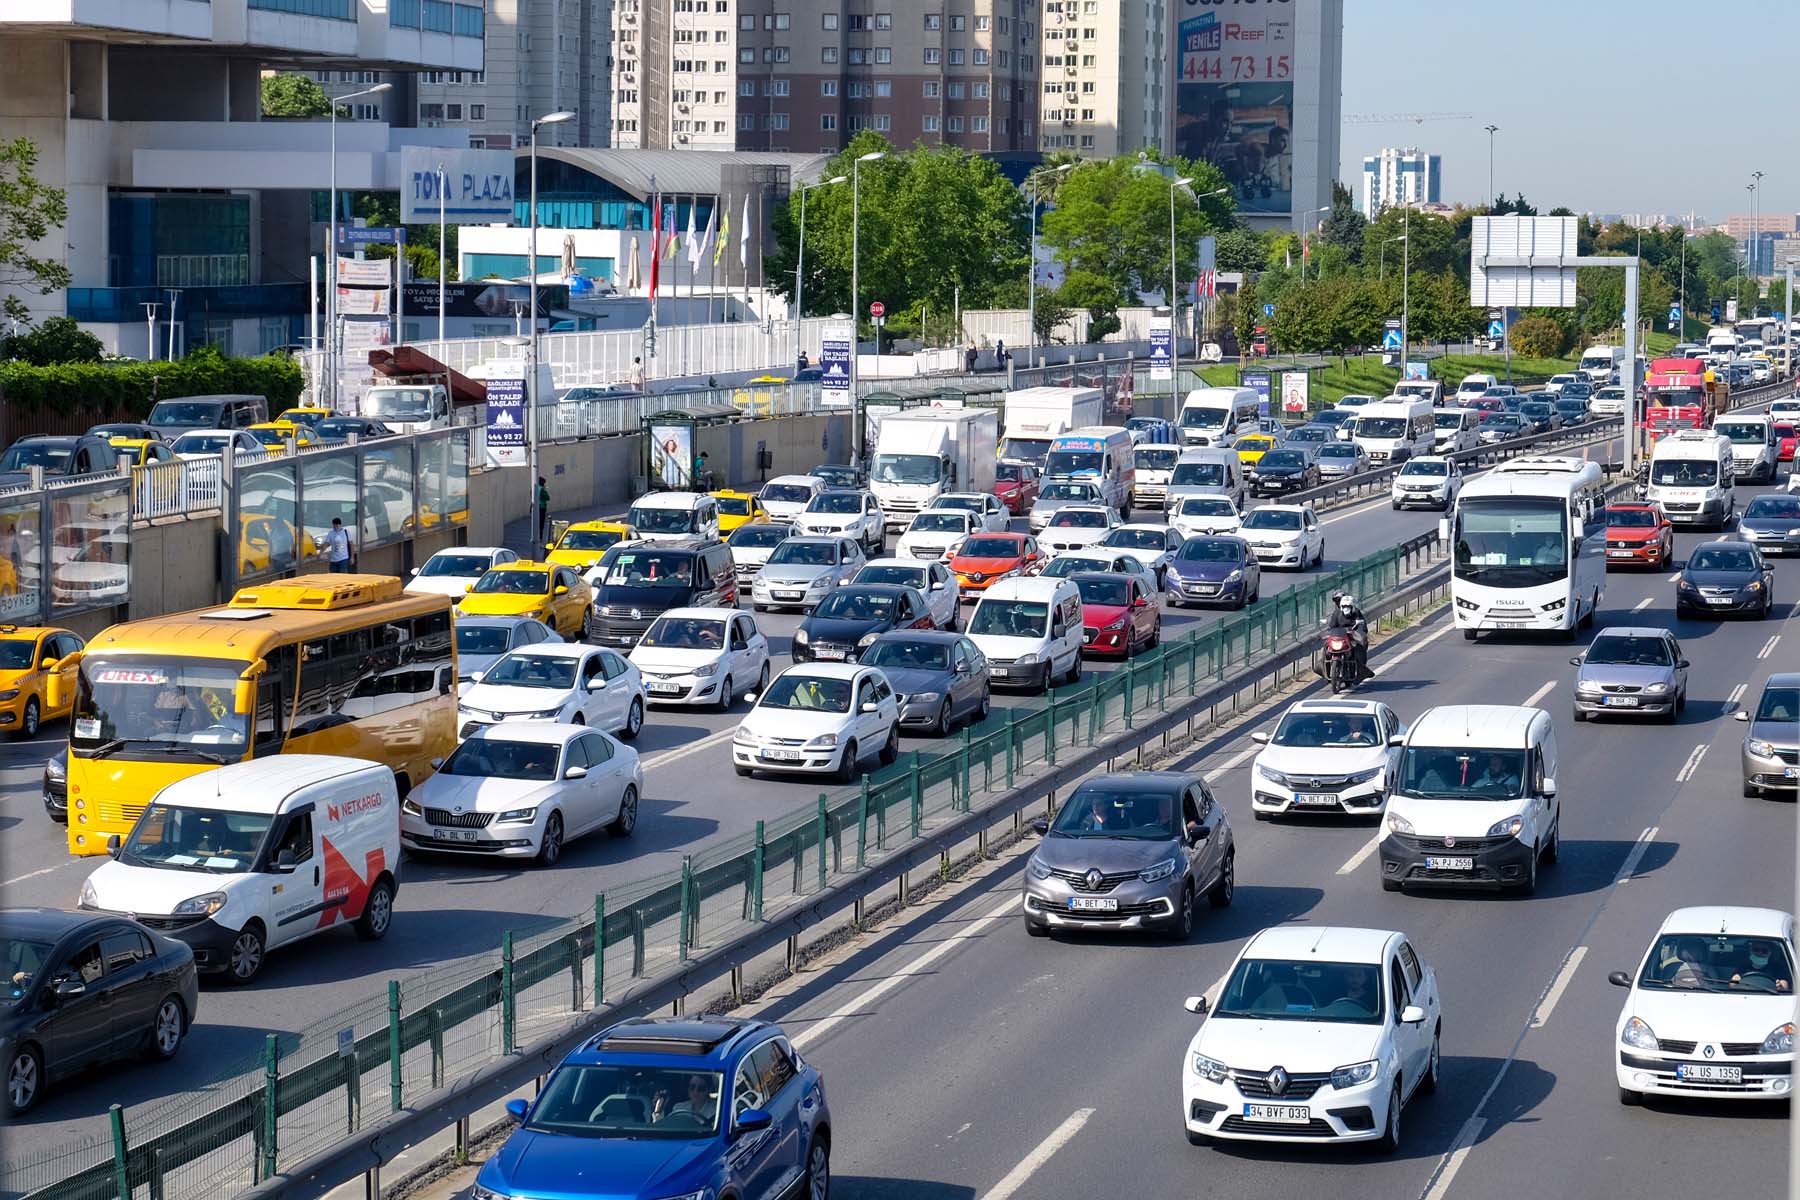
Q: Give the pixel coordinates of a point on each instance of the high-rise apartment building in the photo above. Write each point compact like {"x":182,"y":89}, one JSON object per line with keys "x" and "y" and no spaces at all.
{"x":674,"y":74}
{"x":1739,"y":225}
{"x":1400,"y":177}
{"x":1105,"y":76}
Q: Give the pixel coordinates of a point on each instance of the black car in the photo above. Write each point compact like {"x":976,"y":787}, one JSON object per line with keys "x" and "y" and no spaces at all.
{"x":339,"y":429}
{"x":836,"y":475}
{"x":63,"y":457}
{"x":81,"y":990}
{"x":1726,"y":576}
{"x":56,"y":787}
{"x":1501,"y":427}
{"x":636,"y":582}
{"x":1540,"y":415}
{"x":1572,"y":409}
{"x":849,"y":619}
{"x":135,"y":430}
{"x":1287,"y":469}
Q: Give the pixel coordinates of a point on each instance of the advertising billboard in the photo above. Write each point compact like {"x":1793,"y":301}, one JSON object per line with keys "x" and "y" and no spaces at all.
{"x":473,"y":187}
{"x":1234,"y":99}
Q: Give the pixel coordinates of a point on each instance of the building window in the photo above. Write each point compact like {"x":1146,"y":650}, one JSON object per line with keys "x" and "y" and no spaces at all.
{"x":1087,"y":60}
{"x":929,"y":125}
{"x":338,"y":10}
{"x":934,"y":21}
{"x":858,"y":56}
{"x":884,"y":20}
{"x":953,"y":125}
{"x":883,"y":122}
{"x":933,"y":55}
{"x":884,"y":89}
{"x":431,"y":112}
{"x":453,"y":112}
{"x":981,"y":24}
{"x":956,"y":91}
{"x":366,"y":112}
{"x":746,"y":120}
{"x":718,"y":127}
{"x":978,"y":124}
{"x":746,"y":87}
{"x":828,"y":54}
{"x":719,"y":65}
{"x":933,"y":89}
{"x":778,"y":121}
{"x":958,"y":24}
{"x":1087,"y":89}
{"x":828,"y":87}
{"x":981,"y":57}
{"x":1087,"y":114}
{"x":477,"y":112}
{"x":828,"y":122}
{"x":857,"y":91}
{"x":776,"y":87}
{"x":828,"y":21}
{"x":746,"y":55}
{"x":883,"y":54}
{"x":1087,"y":141}
{"x":746,"y":22}
{"x":858,"y":24}
{"x":979,"y":91}
{"x":956,"y":58}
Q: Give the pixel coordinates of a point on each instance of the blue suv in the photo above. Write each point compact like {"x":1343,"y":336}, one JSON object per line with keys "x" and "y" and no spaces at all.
{"x":706,"y":1109}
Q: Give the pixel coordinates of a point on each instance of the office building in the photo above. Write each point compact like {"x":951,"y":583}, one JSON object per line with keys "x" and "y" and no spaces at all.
{"x":1105,"y":76}
{"x":1406,"y":176}
{"x":1739,"y":225}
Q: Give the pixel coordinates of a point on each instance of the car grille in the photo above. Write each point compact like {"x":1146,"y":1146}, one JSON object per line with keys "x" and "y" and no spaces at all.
{"x":168,"y":924}
{"x":1718,"y":591}
{"x":1740,"y":1049}
{"x":1621,"y":689}
{"x":832,"y":649}
{"x":1680,"y":506}
{"x":1255,"y":1084}
{"x":1788,"y":756}
{"x":446,"y":819}
{"x":1078,"y":880}
{"x":1675,"y":1046}
{"x":1315,"y":1128}
{"x":1461,"y":845}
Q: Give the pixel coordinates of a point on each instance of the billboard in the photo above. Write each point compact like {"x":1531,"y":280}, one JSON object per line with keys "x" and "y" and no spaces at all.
{"x":834,"y":365}
{"x":477,"y":186}
{"x":1234,"y":99}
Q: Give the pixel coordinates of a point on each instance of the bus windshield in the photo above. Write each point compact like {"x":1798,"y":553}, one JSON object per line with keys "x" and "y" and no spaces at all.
{"x":164,"y":705}
{"x":1513,"y":541}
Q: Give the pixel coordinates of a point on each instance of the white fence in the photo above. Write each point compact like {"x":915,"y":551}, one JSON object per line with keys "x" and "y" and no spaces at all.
{"x":171,"y":489}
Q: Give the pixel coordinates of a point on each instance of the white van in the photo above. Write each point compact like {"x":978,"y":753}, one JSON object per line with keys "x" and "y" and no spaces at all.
{"x":239,"y":860}
{"x":1395,"y":429}
{"x":1030,"y":631}
{"x":1207,"y":471}
{"x":1458,"y":429}
{"x":1103,"y":455}
{"x":671,"y":516}
{"x":1212,"y":416}
{"x":1474,"y":386}
{"x":1754,"y":452}
{"x":1691,"y":475}
{"x":1599,"y":362}
{"x":1431,"y":390}
{"x":1474,"y":800}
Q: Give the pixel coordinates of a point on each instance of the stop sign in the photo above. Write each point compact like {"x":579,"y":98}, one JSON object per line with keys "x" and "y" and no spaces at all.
{"x":877,"y":309}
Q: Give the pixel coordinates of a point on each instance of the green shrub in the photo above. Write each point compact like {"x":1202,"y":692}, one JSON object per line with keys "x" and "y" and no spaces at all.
{"x":1539,"y":337}
{"x":101,"y":390}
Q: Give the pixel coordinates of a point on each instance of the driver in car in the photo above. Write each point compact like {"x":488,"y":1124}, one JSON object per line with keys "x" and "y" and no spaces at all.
{"x":1759,"y":962}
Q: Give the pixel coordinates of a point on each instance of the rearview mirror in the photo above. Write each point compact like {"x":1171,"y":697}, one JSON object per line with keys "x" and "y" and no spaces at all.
{"x":596,"y":685}
{"x":1549,"y":788}
{"x":414,"y":571}
{"x":516,"y":1109}
{"x":112,"y":844}
{"x":68,"y":988}
{"x":562,"y":589}
{"x":1041,"y":826}
{"x":1412,"y":1014}
{"x":284,"y":859}
{"x":752,"y":1120}
{"x":1195,"y":1005}
{"x":1260,"y":738}
{"x":1397,"y":739}
{"x":1619,"y":979}
{"x":575,"y":773}
{"x":1576,"y":661}
{"x":1741,"y":715}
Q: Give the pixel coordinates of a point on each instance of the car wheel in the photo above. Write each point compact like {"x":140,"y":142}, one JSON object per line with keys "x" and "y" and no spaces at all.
{"x":1181,"y":925}
{"x":1575,"y":711}
{"x":727,"y":693}
{"x":890,"y":750}
{"x":743,"y":771}
{"x":29,"y":726}
{"x":818,"y":1170}
{"x":550,"y":848}
{"x":626,"y":821}
{"x":1553,"y":847}
{"x":1429,"y":1084}
{"x":1468,"y":635}
{"x":1389,"y":1141}
{"x":1528,"y":885}
{"x":245,"y":958}
{"x":1629,"y":1098}
{"x":166,"y":1030}
{"x":377,"y":913}
{"x":634,"y":720}
{"x":942,"y":727}
{"x":982,"y":711}
{"x":846,"y":770}
{"x":1226,"y":886}
{"x":24,"y":1080}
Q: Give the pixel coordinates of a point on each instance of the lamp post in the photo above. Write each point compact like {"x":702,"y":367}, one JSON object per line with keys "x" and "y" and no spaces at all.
{"x":1304,"y":218}
{"x":1031,"y":340}
{"x":441,"y":265}
{"x":531,"y":448}
{"x":800,"y":259}
{"x":1381,"y":267}
{"x":331,"y":313}
{"x":1756,"y":178}
{"x":856,"y":435}
{"x":1491,"y":131}
{"x":1405,"y":280}
{"x":1174,"y":301}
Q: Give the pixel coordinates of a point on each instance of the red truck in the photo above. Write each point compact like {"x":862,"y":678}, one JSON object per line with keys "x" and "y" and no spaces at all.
{"x":1680,"y":393}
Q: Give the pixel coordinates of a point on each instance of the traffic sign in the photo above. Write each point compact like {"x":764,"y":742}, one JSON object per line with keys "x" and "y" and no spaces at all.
{"x":877,"y":309}
{"x":1674,"y":313}
{"x":1268,"y":310}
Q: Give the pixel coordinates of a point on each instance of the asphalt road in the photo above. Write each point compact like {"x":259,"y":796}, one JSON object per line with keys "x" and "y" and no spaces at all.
{"x":449,"y":909}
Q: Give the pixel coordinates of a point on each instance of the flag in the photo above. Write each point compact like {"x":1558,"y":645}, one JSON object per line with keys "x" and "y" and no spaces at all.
{"x":674,"y":234}
{"x":744,"y":236}
{"x":1305,"y":248}
{"x":655,"y":245}
{"x":693,"y":243}
{"x":697,"y":251}
{"x":724,"y":236}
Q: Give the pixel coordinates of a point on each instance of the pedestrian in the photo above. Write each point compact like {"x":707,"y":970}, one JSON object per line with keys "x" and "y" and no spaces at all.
{"x":337,"y":548}
{"x":804,"y":361}
{"x":637,"y":374}
{"x":999,"y":354}
{"x":543,"y":506}
{"x":702,"y":474}
{"x":969,"y":357}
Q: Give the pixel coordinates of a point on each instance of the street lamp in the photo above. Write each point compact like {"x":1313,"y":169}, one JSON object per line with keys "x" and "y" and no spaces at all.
{"x":1755,"y":220}
{"x":1174,"y":302}
{"x":1304,"y":217}
{"x":531,"y":257}
{"x":856,"y":436}
{"x":800,"y":260}
{"x":1491,"y":131}
{"x":331,"y":357}
{"x":1381,"y":269}
{"x":1031,"y":265}
{"x":1216,"y":192}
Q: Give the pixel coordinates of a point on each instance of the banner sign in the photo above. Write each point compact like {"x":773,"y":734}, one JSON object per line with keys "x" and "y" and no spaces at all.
{"x":1295,"y":390}
{"x":1162,"y":359}
{"x":834,"y":365}
{"x":506,"y":418}
{"x":365,"y":272}
{"x":477,"y":186}
{"x":1259,"y":380}
{"x":1417,"y":370}
{"x":359,"y":337}
{"x":1234,"y":100}
{"x":362,"y":302}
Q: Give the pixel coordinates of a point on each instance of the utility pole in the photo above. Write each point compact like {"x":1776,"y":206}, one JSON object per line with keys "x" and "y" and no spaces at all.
{"x":1493,"y":196}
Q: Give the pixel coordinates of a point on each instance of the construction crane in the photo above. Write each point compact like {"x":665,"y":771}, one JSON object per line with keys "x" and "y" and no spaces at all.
{"x":1398,"y":118}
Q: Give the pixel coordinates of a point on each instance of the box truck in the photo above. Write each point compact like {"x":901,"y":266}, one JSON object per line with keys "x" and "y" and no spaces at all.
{"x":923,"y":453}
{"x":1037,"y":416}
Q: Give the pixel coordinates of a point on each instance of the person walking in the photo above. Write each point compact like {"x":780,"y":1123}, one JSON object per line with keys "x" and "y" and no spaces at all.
{"x":638,"y":379}
{"x":999,"y":355}
{"x":969,"y":357}
{"x":338,"y":549}
{"x":543,"y":503}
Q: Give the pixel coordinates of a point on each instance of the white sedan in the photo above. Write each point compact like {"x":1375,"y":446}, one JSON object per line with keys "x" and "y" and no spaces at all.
{"x":990,"y":513}
{"x":1285,"y":535}
{"x":1432,"y":480}
{"x":1153,"y":545}
{"x":1326,"y":756}
{"x":933,"y":580}
{"x":453,"y":572}
{"x":936,"y":532}
{"x":1710,"y":1012}
{"x":702,"y":656}
{"x":1078,"y":527}
{"x":1195,"y":515}
{"x":821,"y":718}
{"x":1320,"y":1034}
{"x":562,"y":683}
{"x":521,"y":791}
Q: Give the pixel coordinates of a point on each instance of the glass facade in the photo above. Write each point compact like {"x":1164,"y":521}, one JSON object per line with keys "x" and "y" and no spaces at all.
{"x":572,"y":198}
{"x":438,"y":16}
{"x":512,"y":266}
{"x":170,"y":240}
{"x":337,"y":10}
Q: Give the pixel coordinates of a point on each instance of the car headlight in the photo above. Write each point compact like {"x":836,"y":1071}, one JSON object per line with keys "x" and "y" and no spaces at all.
{"x":801,"y":638}
{"x":1759,"y":748}
{"x":743,"y":737}
{"x":1780,"y":1040}
{"x":1755,"y":585}
{"x":925,"y":698}
{"x":1234,"y":577}
{"x":1507,"y":828}
{"x":549,"y":714}
{"x":516,"y":816}
{"x":1210,"y":1069}
{"x":825,"y":741}
{"x":1038,"y":870}
{"x":1638,"y":1034}
{"x":1355,"y":1073}
{"x":1029,"y":659}
{"x":201,"y":906}
{"x":1118,"y":624}
{"x":1587,"y":687}
{"x":1161,"y":870}
{"x":1657,"y":689}
{"x":1398,"y":824}
{"x":866,"y":640}
{"x":89,"y":898}
{"x":483,"y":1193}
{"x":820,"y":582}
{"x":1367,"y":776}
{"x":706,"y":670}
{"x":1273,"y":776}
{"x":412,"y":807}
{"x":10,"y":694}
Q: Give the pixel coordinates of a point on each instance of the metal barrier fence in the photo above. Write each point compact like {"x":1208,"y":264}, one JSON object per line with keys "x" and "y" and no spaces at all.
{"x":307,"y":1092}
{"x":173,"y":489}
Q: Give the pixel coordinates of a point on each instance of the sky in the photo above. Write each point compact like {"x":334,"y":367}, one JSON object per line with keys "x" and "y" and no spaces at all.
{"x":1622,"y":106}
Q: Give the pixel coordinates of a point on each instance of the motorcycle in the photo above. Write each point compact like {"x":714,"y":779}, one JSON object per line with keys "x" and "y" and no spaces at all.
{"x":1641,"y":489}
{"x":1340,"y":660}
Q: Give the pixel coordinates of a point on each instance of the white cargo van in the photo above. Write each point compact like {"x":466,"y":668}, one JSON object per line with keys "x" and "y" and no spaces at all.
{"x":259,"y":854}
{"x":1430,"y":390}
{"x":671,"y":516}
{"x":1103,"y":455}
{"x":1691,"y":476}
{"x":1030,"y":631}
{"x":1599,"y":362}
{"x":1474,"y":386}
{"x":1212,"y":416}
{"x":1754,"y":452}
{"x":1395,"y":429}
{"x":1474,"y":800}
{"x":1207,"y":471}
{"x":1458,"y":429}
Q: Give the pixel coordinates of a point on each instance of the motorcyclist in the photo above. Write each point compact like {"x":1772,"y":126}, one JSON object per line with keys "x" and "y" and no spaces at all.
{"x":1349,"y":618}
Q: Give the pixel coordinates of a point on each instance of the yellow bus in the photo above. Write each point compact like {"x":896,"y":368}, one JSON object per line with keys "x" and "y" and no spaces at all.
{"x":320,"y":664}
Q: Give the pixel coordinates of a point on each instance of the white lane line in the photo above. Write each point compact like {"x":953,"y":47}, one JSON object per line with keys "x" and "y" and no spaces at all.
{"x":1390,"y":663}
{"x":1692,"y":764}
{"x":1636,"y":856}
{"x":1232,"y":762}
{"x":1542,"y":1017}
{"x":1641,"y":605}
{"x":1737,"y":693}
{"x":1059,"y":1137}
{"x":6,"y":883}
{"x":901,"y":975}
{"x":656,"y":758}
{"x":1465,"y":1142}
{"x":1673,"y":578}
{"x":1361,"y":856}
{"x":1531,"y":700}
{"x":1768,"y":647}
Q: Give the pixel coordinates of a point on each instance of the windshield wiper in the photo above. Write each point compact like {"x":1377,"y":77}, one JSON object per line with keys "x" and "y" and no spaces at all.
{"x":107,"y":747}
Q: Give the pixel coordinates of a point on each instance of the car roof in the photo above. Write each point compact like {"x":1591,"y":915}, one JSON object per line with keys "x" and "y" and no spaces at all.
{"x":669,"y":500}
{"x":1322,"y":943}
{"x":487,"y":550}
{"x":504,"y":622}
{"x":1335,"y":706}
{"x":716,"y":613}
{"x":1633,"y":631}
{"x":1727,"y":918}
{"x":556,"y":649}
{"x":891,"y":560}
{"x":48,"y":924}
{"x":802,"y":480}
{"x":1783,"y":679}
{"x":541,"y":732}
{"x":826,"y":670}
{"x":1485,"y":725}
{"x":816,"y":539}
{"x":879,"y":589}
{"x":263,"y":785}
{"x":1140,"y":781}
{"x":682,"y":1038}
{"x":1281,"y":508}
{"x":1143,"y":526}
{"x":1035,"y":588}
{"x":944,"y":637}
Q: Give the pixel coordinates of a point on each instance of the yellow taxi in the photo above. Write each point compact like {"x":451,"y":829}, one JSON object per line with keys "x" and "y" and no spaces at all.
{"x":551,"y":592}
{"x":28,"y":654}
{"x":142,"y":451}
{"x":275,"y":435}
{"x":308,"y":415}
{"x":737,"y":509}
{"x":585,"y":542}
{"x":1251,"y":447}
{"x":265,"y":541}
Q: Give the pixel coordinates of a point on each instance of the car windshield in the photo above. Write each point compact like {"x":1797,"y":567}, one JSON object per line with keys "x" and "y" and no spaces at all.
{"x":793,"y":553}
{"x":1504,"y":424}
{"x":787,"y":493}
{"x":170,"y":705}
{"x":1009,"y":473}
{"x":1010,"y":618}
{"x":218,"y":841}
{"x":1381,"y":427}
{"x":22,"y":456}
{"x":939,"y":522}
{"x":1426,"y":467}
{"x":1097,"y":811}
{"x":685,"y":633}
{"x":1313,"y":730}
{"x":1274,"y":989}
{"x":1462,"y":773}
{"x":1722,"y":558}
{"x":1536,"y":408}
{"x":1113,"y":590}
{"x":1198,"y":474}
{"x":1779,"y":704}
{"x":1079,"y":518}
{"x":1448,"y":420}
{"x":532,"y":670}
{"x":836,"y":476}
{"x":758,"y":537}
{"x":495,"y":758}
{"x":1207,"y":506}
{"x":1272,"y":518}
{"x":662,"y":520}
{"x":278,"y":437}
{"x":1774,"y":506}
{"x":902,"y":654}
{"x":991,"y":547}
{"x":1136,"y":539}
{"x":649,"y":568}
{"x":1074,"y":462}
{"x":482,"y":639}
{"x":856,"y":604}
{"x":458,"y":565}
{"x":1344,"y":450}
{"x":919,"y":577}
{"x":1717,"y":962}
{"x":1630,"y":518}
{"x":837,"y":502}
{"x":1157,"y":458}
{"x":1630,"y":649}
{"x":592,"y":1100}
{"x":1310,"y":433}
{"x":1068,"y":491}
{"x":590,"y":539}
{"x":398,"y":404}
{"x":15,"y":653}
{"x":808,"y":692}
{"x":1354,"y":401}
{"x":203,"y":443}
{"x":1203,"y":418}
{"x":1744,"y":433}
{"x":1332,"y":416}
{"x":1276,"y":460}
{"x":907,"y":468}
{"x":1210,"y":550}
{"x":177,"y":412}
{"x":513,"y":583}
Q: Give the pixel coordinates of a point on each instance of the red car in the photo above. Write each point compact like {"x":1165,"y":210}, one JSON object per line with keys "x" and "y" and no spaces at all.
{"x":1016,"y":483}
{"x":1638,"y":535}
{"x":1487,"y":407}
{"x":1785,"y":438}
{"x":1119,"y":616}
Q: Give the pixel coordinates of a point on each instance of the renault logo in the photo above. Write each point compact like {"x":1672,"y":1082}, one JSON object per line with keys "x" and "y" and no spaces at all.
{"x":1094,"y":879}
{"x":1708,"y":1051}
{"x":1277,"y":1079}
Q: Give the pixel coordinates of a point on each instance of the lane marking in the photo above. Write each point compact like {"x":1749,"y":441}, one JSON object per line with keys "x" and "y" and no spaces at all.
{"x":1641,"y":605}
{"x":1233,"y":762}
{"x":1768,"y":647}
{"x":1531,"y":700}
{"x":658,"y":757}
{"x":1041,"y":1154}
{"x":1413,"y":649}
{"x":1465,"y":1142}
{"x":1692,"y":764}
{"x":1737,"y":693}
{"x":1636,"y":856}
{"x":5,"y":883}
{"x":861,"y":1003}
{"x":1361,"y":856}
{"x":1673,"y":578}
{"x":1542,"y":1017}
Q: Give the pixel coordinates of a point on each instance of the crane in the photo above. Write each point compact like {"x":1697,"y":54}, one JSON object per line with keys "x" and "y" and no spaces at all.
{"x":1397,"y":118}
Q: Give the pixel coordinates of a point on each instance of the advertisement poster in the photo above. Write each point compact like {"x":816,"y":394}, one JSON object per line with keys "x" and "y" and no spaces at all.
{"x":672,"y":455}
{"x":1234,"y":100}
{"x":1161,"y":345}
{"x":1260,"y":381}
{"x":834,"y":366}
{"x":1417,"y":370}
{"x":1295,"y":388}
{"x":506,"y":419}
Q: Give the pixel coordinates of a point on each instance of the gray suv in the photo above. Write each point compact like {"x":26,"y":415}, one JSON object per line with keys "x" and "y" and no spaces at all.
{"x":1771,"y":753}
{"x":1631,"y":671}
{"x":1132,"y":851}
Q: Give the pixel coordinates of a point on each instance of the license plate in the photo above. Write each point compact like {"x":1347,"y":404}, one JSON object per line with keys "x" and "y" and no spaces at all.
{"x":663,"y":689}
{"x":1507,"y":624}
{"x":1709,"y":1073}
{"x":834,"y":653}
{"x":782,"y":755}
{"x":1620,"y":701}
{"x":1790,"y":772}
{"x":1718,"y":599}
{"x":453,"y":835}
{"x":1282,"y":1114}
{"x":1093,"y":904}
{"x":1315,"y":798}
{"x":1434,"y":863}
{"x":788,"y":595}
{"x":1619,"y":553}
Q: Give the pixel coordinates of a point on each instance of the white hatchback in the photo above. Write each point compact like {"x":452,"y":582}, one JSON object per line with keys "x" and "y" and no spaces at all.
{"x":1285,"y":535}
{"x":990,"y":513}
{"x":1195,"y":515}
{"x":821,"y":718}
{"x":936,"y":532}
{"x":702,"y":656}
{"x":562,"y":683}
{"x":453,"y":572}
{"x":1078,"y":527}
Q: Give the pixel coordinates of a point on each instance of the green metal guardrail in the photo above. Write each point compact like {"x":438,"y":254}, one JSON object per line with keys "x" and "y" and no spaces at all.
{"x":305,"y":1092}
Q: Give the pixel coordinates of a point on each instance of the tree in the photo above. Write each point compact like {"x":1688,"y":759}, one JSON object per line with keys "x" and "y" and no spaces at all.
{"x":1240,"y":250}
{"x":57,"y":340}
{"x":289,"y":94}
{"x":1342,"y":228}
{"x":382,"y":209}
{"x":1514,"y":207}
{"x":1099,"y":296}
{"x":1538,"y":337}
{"x":29,"y":212}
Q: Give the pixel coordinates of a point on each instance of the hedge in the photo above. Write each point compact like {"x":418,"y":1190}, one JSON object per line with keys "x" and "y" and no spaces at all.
{"x":77,"y":389}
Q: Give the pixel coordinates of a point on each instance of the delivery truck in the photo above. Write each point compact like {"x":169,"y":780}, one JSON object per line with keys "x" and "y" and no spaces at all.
{"x":1037,"y":416}
{"x":922,"y":453}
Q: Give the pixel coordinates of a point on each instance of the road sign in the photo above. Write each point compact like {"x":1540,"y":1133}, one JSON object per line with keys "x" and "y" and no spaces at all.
{"x":877,"y":309}
{"x":1522,"y":261}
{"x":1674,"y":313}
{"x":1161,"y":348}
{"x":356,"y":235}
{"x":1496,"y":329}
{"x":1268,"y":310}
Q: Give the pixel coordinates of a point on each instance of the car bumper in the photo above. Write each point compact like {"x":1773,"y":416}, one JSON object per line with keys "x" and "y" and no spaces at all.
{"x":1031,"y":677}
{"x":806,"y":762}
{"x":1699,"y":512}
{"x":56,"y":801}
{"x":1279,"y":486}
{"x":1492,"y":862}
{"x":920,"y":713}
{"x":467,"y":723}
{"x":1135,"y":904}
{"x":1106,"y":643}
{"x":1221,"y":1110}
{"x":775,"y":596}
{"x":1634,"y":554}
{"x":1773,"y":543}
{"x":1350,"y":799}
{"x":1194,"y":591}
{"x":1661,"y":1075}
{"x":489,"y":841}
{"x":1769,"y":771}
{"x":1278,"y":556}
{"x":1638,"y":704}
{"x":684,"y":689}
{"x":1736,"y":603}
{"x":1432,"y":499}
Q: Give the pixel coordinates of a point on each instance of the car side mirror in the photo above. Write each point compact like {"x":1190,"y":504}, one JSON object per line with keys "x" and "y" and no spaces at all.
{"x":1412,"y":1014}
{"x":516,"y":1109}
{"x":752,"y":1120}
{"x":596,"y":685}
{"x":1041,"y":826}
{"x":1619,"y":979}
{"x":871,"y":707}
{"x":48,"y":663}
{"x":1195,"y":1005}
{"x":1397,"y":739}
{"x":1444,"y":530}
{"x":1576,"y":661}
{"x":1549,"y":788}
{"x":67,"y":987}
{"x":414,"y":571}
{"x":751,"y":697}
{"x":1260,"y":738}
{"x":1198,"y":833}
{"x":1741,"y":715}
{"x":575,"y":773}
{"x":475,"y":677}
{"x":1682,"y":663}
{"x":112,"y":844}
{"x":284,"y":859}
{"x":562,"y":589}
